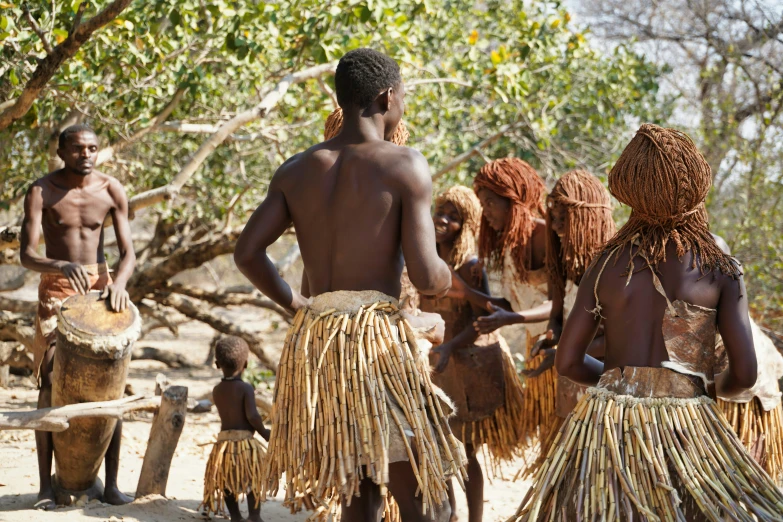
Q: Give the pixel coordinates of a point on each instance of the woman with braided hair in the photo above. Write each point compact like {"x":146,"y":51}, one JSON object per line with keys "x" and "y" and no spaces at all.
{"x":513,"y":241}
{"x":476,"y":371}
{"x":647,"y":440}
{"x":579,"y":223}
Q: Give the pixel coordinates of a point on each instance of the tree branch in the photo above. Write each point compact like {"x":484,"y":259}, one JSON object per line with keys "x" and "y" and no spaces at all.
{"x":465,"y":156}
{"x":259,"y":111}
{"x":228,"y":298}
{"x":192,"y":256}
{"x":80,"y":33}
{"x":108,"y":153}
{"x":34,"y":25}
{"x":200,"y":312}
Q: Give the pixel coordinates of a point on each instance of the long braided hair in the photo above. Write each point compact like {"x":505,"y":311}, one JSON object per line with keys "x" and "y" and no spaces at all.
{"x":469,"y":208}
{"x":517,"y":181}
{"x":588,"y":226}
{"x":334,"y":124}
{"x":664,"y":178}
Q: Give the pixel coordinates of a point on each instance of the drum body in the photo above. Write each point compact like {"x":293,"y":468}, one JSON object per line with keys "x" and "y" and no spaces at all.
{"x":91,"y":361}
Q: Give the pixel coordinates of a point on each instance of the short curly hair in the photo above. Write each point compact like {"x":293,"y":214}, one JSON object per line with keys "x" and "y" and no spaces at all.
{"x":62,"y":139}
{"x":362,"y":74}
{"x":231,"y":353}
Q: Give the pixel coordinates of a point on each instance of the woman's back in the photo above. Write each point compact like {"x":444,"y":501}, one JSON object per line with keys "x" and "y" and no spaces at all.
{"x":634,"y":313}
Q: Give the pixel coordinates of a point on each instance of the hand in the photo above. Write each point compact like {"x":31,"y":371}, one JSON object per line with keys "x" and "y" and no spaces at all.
{"x":547,"y":363}
{"x":444,"y":353}
{"x":265,"y":434}
{"x":497,"y":319}
{"x":458,"y":287}
{"x":119,"y":299}
{"x":547,"y":341}
{"x":77,"y":276}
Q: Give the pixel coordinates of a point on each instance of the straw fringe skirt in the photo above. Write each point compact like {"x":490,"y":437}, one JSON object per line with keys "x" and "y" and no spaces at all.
{"x":353,"y":395}
{"x":235,"y":465}
{"x":539,"y":398}
{"x":760,"y":431}
{"x":503,"y":431}
{"x":618,"y":456}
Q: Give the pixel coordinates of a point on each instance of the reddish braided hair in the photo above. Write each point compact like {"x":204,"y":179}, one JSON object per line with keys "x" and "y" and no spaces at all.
{"x":664,"y":178}
{"x":517,"y":181}
{"x":589,"y":225}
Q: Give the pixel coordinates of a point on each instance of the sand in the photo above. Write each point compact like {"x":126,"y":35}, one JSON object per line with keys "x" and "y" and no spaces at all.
{"x":19,"y":470}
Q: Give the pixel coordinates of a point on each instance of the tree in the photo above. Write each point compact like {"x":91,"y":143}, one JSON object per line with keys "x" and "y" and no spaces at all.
{"x":516,"y":79}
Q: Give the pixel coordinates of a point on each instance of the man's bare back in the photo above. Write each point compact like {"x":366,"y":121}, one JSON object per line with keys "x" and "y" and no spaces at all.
{"x":359,"y":205}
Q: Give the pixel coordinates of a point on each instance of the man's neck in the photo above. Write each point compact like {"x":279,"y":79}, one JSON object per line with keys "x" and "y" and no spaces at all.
{"x":72,"y":179}
{"x":360,"y":127}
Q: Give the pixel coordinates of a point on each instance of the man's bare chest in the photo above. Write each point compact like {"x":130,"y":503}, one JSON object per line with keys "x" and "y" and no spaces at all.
{"x":76,"y":209}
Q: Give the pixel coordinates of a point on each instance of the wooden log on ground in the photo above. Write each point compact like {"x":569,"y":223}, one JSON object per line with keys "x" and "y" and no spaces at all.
{"x":58,"y":418}
{"x":172,"y":360}
{"x":164,"y":436}
{"x":5,"y":376}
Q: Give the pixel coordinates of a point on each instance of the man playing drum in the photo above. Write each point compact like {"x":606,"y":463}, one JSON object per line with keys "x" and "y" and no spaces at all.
{"x":71,"y":205}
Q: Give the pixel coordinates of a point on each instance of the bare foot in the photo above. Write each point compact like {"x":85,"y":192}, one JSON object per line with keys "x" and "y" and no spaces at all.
{"x":255,"y":518}
{"x":453,"y":518}
{"x":45,"y":500}
{"x":115,"y":497}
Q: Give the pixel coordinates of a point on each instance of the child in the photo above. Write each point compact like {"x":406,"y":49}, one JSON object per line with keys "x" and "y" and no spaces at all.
{"x":235,"y":464}
{"x":476,"y":371}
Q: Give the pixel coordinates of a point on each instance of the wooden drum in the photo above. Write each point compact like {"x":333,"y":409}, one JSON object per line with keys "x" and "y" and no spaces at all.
{"x":94,"y":347}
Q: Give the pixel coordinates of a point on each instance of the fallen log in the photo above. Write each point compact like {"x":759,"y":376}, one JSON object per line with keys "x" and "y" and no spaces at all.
{"x":56,"y":419}
{"x":172,"y":360}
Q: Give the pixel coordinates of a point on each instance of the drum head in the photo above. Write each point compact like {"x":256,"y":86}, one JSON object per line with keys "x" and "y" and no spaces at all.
{"x":92,"y":315}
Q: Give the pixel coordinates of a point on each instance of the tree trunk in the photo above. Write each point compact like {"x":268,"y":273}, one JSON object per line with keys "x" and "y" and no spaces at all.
{"x":164,"y":436}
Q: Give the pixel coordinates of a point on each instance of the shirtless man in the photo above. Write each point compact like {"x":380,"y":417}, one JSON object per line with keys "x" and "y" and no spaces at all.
{"x":361,"y":207}
{"x":71,"y":205}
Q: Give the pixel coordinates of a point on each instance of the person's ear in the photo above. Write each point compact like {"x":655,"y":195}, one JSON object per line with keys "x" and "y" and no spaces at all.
{"x":386,"y":99}
{"x":245,"y":366}
{"x":217,"y":364}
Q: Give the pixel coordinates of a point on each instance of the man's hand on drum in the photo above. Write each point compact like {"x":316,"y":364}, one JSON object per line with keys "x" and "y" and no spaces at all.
{"x":119,"y":299}
{"x":77,"y":276}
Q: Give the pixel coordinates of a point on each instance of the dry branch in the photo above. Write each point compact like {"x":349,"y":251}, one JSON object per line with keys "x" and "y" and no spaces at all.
{"x":226,"y":298}
{"x":57,"y":419}
{"x":79,"y":34}
{"x":17,"y":327}
{"x":172,"y":360}
{"x":200,"y":312}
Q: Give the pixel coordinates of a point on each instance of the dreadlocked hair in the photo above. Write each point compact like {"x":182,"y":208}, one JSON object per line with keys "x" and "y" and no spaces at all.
{"x":469,"y":208}
{"x":588,"y":226}
{"x":664,"y":178}
{"x":334,"y":124}
{"x":517,"y":181}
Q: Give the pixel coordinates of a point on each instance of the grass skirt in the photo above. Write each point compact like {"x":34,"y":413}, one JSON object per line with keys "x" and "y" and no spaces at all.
{"x":235,"y":465}
{"x":353,"y":395}
{"x":760,"y":431}
{"x":503,"y":431}
{"x":618,"y":456}
{"x":539,"y":398}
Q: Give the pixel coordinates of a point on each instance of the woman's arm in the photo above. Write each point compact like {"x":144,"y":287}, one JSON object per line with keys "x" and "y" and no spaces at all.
{"x":469,"y":334}
{"x":571,"y":359}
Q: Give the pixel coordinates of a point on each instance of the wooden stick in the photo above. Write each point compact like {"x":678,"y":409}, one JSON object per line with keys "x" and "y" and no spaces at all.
{"x":164,"y":436}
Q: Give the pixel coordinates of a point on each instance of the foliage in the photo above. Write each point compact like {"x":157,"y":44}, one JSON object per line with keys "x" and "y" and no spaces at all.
{"x":525,"y":65}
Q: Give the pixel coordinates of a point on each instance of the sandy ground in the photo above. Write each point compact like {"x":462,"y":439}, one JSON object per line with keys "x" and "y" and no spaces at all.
{"x":19,"y":471}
